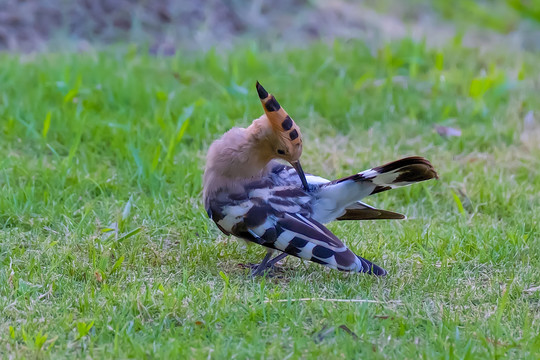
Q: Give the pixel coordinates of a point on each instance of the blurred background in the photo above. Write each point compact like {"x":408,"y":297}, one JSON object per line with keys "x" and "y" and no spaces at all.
{"x":166,"y":26}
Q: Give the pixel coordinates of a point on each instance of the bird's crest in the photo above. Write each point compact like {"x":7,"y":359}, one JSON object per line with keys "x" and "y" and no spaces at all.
{"x":279,"y":119}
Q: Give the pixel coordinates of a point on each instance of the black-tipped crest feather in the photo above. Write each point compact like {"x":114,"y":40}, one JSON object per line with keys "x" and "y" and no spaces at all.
{"x":263,"y":94}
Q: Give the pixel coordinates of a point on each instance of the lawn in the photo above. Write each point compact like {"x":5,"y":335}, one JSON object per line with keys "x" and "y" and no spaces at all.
{"x":107,"y":251}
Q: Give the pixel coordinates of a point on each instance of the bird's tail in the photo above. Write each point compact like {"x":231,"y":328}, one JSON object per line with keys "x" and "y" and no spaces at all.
{"x":394,"y":174}
{"x":347,"y":192}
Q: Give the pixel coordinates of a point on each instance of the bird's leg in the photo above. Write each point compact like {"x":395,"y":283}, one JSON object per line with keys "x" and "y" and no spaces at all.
{"x":267,"y":263}
{"x":264,"y":263}
{"x":276,"y":259}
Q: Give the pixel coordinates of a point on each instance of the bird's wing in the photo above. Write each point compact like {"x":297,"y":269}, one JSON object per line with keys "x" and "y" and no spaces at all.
{"x":362,"y":211}
{"x":300,"y":236}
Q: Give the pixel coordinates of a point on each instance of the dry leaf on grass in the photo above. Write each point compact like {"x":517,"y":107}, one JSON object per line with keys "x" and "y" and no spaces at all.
{"x":446,"y":131}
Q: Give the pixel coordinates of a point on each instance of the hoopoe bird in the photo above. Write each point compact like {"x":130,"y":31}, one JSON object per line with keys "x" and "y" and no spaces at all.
{"x":250,"y":195}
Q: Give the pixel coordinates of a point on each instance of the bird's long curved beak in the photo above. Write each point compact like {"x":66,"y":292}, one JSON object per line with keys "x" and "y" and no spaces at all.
{"x":296,"y":165}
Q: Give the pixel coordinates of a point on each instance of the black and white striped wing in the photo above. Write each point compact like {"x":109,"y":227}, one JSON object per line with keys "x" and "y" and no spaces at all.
{"x":308,"y":239}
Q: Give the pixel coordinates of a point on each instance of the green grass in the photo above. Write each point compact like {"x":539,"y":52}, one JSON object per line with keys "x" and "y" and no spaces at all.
{"x":106,"y":250}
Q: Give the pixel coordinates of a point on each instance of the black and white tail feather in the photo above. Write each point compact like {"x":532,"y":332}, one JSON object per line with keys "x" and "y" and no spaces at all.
{"x":278,"y":213}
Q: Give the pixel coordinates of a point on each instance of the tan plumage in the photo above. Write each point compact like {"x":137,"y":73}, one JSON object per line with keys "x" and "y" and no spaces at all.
{"x":238,"y":157}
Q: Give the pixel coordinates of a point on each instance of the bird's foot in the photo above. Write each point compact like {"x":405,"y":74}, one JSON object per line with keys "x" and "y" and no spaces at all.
{"x":267,"y":265}
{"x":269,"y":271}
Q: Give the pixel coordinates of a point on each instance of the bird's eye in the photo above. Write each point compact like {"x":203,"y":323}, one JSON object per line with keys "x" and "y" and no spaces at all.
{"x":281,"y":152}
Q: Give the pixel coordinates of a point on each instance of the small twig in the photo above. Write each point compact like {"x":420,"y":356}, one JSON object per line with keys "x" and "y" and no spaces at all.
{"x":532,"y":289}
{"x":348,"y":331}
{"x":335,"y":300}
{"x":47,"y":294}
{"x":51,"y":230}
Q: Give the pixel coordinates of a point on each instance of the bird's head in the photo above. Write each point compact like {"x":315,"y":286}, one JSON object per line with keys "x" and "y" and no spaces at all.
{"x":242,"y":154}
